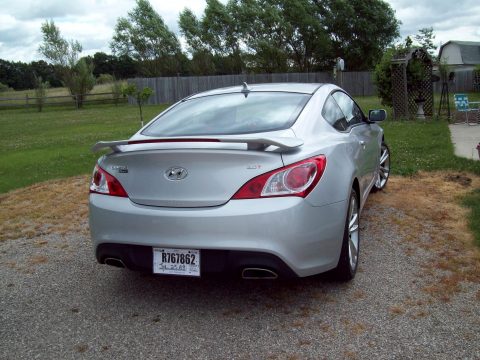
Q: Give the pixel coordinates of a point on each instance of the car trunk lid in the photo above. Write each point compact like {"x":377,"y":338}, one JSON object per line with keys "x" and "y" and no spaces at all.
{"x":190,"y":174}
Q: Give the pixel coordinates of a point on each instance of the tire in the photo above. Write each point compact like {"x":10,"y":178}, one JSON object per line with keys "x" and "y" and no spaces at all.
{"x":383,"y":168}
{"x":348,"y":262}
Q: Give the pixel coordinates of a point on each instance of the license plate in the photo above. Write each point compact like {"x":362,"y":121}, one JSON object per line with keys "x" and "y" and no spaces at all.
{"x":184,"y":262}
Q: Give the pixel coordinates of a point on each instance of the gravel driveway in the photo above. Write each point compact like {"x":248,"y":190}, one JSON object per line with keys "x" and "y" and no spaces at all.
{"x":56,"y":302}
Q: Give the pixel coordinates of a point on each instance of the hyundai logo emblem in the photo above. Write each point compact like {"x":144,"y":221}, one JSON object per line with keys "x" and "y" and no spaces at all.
{"x":176,"y":173}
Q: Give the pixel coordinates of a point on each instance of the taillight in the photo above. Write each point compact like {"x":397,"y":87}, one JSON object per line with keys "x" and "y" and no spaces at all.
{"x":104,"y":183}
{"x":293,"y":180}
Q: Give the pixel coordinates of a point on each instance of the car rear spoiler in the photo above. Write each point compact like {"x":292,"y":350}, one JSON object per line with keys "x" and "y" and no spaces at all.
{"x":284,"y":143}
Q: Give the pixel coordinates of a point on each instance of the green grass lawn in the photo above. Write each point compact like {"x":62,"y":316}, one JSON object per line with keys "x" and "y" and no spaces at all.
{"x":373,"y":102}
{"x":418,"y":144}
{"x":56,"y":142}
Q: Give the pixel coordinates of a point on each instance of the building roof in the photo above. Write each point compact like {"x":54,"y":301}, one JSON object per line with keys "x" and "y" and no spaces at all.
{"x":469,"y":51}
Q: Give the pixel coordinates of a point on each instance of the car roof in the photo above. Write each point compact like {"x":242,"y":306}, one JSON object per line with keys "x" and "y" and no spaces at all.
{"x":304,"y":88}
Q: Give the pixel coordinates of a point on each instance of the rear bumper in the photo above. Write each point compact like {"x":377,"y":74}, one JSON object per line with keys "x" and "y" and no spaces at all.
{"x":299,"y":237}
{"x":140,"y":258}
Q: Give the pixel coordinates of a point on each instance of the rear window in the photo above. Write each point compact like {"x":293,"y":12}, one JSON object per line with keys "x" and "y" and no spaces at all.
{"x":229,"y":114}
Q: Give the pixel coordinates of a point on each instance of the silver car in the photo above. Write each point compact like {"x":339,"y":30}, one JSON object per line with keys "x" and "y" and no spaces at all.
{"x":258,"y":181}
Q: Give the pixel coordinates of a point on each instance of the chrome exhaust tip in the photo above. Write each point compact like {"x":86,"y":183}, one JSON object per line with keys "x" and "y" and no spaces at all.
{"x":114,"y":262}
{"x":258,"y":274}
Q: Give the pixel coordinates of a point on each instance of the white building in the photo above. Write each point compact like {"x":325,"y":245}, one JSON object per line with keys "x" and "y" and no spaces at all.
{"x":460,"y":55}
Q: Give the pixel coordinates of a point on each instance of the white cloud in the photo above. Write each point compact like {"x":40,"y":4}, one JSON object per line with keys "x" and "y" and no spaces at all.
{"x":7,"y":21}
{"x":458,"y":20}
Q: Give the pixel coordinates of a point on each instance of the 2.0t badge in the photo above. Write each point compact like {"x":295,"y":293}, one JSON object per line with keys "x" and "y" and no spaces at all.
{"x":176,"y":173}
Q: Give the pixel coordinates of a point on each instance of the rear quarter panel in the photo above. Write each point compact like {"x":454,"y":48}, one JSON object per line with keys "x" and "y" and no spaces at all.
{"x":321,"y":138}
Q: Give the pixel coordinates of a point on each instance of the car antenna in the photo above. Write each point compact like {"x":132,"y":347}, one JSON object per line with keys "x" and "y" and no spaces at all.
{"x":245,"y":90}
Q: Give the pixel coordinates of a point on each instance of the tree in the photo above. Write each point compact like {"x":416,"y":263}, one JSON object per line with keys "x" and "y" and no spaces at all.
{"x":425,"y":38}
{"x":307,"y":41}
{"x":21,"y":76}
{"x":262,"y":35}
{"x":217,"y":33}
{"x":76,"y":74}
{"x":261,"y":25}
{"x":202,"y":61}
{"x":40,"y":92}
{"x":290,"y":35}
{"x":361,"y":30}
{"x":144,"y":36}
{"x":121,"y":67}
{"x":56,"y":49}
{"x":103,"y":64}
{"x":80,"y":80}
{"x":221,"y":31}
{"x":125,"y":67}
{"x":192,"y":29}
{"x":141,"y":96}
{"x":46,"y":71}
{"x":16,"y":75}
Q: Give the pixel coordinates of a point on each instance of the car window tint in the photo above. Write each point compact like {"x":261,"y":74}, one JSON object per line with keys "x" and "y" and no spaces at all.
{"x":234,"y":113}
{"x":352,"y":112}
{"x":334,"y":115}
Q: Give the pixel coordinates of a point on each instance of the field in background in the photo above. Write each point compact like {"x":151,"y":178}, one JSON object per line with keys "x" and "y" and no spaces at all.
{"x":57,"y":97}
{"x":60,"y":91}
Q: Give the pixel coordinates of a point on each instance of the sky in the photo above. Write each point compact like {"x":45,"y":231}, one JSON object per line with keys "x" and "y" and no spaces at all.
{"x":91,"y":22}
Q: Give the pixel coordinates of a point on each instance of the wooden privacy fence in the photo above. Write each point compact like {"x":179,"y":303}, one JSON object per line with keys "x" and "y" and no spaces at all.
{"x":463,"y":82}
{"x":172,"y":89}
{"x":357,"y":83}
{"x":65,"y":100}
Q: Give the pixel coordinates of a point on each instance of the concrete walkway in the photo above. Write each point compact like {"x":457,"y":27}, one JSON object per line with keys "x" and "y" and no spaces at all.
{"x":465,"y":139}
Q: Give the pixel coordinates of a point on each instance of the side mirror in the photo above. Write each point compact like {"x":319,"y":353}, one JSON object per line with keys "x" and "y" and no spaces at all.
{"x":377,"y":115}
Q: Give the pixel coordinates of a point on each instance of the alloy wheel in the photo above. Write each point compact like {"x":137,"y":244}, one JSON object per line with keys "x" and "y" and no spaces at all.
{"x":353,"y":233}
{"x":384,"y":168}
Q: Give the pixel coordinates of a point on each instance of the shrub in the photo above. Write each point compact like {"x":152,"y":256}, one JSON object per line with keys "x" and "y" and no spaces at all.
{"x":140,"y":95}
{"x":105,"y":79}
{"x":4,"y":87}
{"x":383,"y":77}
{"x":116,"y":87}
